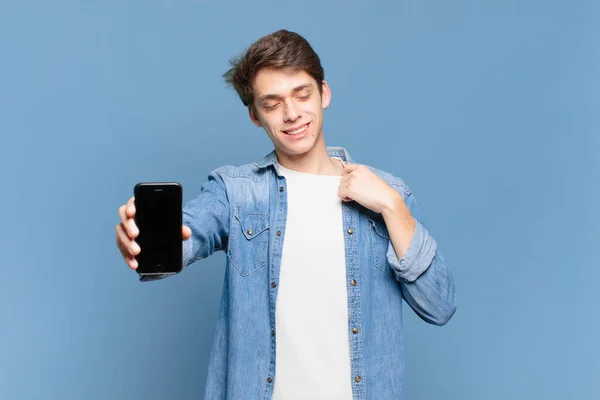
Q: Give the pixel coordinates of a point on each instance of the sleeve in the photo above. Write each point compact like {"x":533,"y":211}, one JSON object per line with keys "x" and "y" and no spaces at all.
{"x":426,"y":281}
{"x":207,"y":215}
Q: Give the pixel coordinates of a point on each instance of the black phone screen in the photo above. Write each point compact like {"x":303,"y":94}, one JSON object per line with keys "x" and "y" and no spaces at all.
{"x":158,"y":216}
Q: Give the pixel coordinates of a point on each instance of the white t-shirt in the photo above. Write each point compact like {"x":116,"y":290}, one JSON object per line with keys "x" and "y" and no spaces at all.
{"x":312,"y":351}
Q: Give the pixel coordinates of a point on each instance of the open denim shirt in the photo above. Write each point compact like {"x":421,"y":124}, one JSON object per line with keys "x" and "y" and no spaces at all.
{"x":242,"y":210}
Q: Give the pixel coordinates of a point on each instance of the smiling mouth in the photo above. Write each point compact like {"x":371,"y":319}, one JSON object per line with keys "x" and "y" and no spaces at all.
{"x":297,"y":131}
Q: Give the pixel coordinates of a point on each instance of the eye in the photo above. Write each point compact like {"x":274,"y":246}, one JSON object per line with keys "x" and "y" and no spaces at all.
{"x":271,"y":107}
{"x":304,"y":97}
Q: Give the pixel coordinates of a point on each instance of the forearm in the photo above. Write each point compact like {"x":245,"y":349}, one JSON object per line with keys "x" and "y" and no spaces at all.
{"x":427,"y":282}
{"x":399,"y":222}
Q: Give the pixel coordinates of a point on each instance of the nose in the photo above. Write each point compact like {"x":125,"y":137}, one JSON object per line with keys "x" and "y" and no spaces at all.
{"x":290,"y":113}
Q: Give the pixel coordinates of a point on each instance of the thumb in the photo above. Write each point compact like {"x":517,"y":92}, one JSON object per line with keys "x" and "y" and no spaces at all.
{"x":186,"y":232}
{"x":349,"y":168}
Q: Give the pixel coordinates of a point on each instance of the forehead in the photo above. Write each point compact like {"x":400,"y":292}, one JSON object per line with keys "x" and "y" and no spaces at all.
{"x":280,"y":81}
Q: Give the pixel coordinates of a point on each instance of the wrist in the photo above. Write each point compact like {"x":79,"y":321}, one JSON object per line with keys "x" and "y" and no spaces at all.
{"x":396,"y":208}
{"x":393,"y":204}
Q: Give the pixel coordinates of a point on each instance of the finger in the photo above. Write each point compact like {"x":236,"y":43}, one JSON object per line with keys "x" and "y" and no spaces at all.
{"x":342,"y":193}
{"x":122,"y":213}
{"x":125,"y":248}
{"x":128,"y":223}
{"x":186,"y":232}
{"x":132,"y":229}
{"x":128,"y":247}
{"x":123,"y":241}
{"x":350,"y":168}
{"x":131,"y":207}
{"x":131,"y":262}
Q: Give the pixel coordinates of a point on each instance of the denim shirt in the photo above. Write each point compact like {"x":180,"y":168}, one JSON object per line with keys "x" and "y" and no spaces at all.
{"x":241,"y":210}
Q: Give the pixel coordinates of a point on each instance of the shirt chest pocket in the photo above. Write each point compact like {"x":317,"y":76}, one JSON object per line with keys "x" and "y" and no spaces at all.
{"x":248,"y":241}
{"x":380,"y":241}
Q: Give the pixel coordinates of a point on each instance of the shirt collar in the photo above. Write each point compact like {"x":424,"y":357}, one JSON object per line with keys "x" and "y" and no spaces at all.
{"x":333,"y":151}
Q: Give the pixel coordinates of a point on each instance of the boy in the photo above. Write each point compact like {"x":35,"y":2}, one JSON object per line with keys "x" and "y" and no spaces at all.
{"x":320,"y":250}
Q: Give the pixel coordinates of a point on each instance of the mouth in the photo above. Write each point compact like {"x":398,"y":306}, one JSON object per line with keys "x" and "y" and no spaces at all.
{"x":299,"y":131}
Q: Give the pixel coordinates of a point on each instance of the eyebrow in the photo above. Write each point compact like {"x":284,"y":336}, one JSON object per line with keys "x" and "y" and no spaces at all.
{"x":277,"y":97}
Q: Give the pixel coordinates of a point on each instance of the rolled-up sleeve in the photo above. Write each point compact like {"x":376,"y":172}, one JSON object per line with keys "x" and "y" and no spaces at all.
{"x":417,"y":258}
{"x":426,"y":281}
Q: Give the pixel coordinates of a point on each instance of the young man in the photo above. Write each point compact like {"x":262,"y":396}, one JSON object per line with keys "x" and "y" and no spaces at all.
{"x":320,"y":249}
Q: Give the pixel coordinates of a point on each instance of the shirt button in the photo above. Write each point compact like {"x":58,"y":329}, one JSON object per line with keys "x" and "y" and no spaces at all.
{"x":272,"y":333}
{"x":353,"y":282}
{"x":355,"y":331}
{"x":278,"y":233}
{"x":350,"y":231}
{"x":357,"y":379}
{"x":273,"y":284}
{"x":250,"y":231}
{"x":281,"y":188}
{"x":269,"y":380}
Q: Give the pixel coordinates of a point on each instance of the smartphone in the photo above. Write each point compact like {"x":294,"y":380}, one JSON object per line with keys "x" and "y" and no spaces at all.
{"x":158,"y":216}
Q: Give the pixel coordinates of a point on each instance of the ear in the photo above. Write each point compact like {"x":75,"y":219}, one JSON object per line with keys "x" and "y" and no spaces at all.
{"x":326,"y":96}
{"x":254,"y":117}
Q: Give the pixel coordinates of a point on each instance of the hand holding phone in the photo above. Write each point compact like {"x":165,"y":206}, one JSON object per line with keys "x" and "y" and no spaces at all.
{"x":128,"y":230}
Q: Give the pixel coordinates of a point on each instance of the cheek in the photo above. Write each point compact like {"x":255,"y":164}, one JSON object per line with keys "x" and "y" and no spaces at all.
{"x":313,"y":111}
{"x":269,"y":125}
{"x":274,"y":129}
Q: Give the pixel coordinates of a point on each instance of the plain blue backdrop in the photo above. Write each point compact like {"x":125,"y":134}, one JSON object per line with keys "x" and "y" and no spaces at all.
{"x":488,"y":110}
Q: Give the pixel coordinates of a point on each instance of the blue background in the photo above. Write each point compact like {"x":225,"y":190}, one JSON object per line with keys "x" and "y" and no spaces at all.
{"x":488,"y":110}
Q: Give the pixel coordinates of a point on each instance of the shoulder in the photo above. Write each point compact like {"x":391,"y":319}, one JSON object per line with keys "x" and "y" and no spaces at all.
{"x":392,"y":180}
{"x":244,"y":171}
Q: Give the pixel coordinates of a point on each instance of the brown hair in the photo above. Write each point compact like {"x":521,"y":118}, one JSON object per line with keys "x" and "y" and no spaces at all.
{"x":280,"y":49}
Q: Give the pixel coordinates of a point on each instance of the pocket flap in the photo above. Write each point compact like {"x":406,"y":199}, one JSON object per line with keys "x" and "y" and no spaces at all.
{"x":378,"y":224}
{"x":252,"y":223}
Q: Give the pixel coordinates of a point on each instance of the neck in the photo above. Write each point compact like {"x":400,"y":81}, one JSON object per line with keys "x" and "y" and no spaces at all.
{"x":315,"y":161}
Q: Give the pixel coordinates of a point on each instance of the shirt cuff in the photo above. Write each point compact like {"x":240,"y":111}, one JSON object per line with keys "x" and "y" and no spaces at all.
{"x":149,"y":278}
{"x":417,"y":258}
